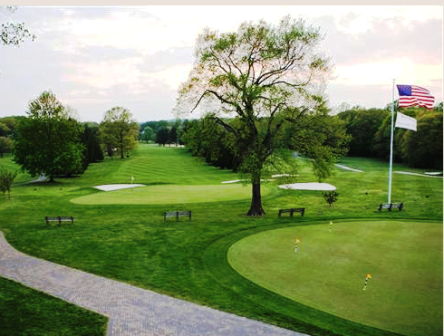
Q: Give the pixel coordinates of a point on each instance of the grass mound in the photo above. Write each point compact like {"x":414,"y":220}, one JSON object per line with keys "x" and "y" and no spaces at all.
{"x":170,"y":194}
{"x":405,"y":259}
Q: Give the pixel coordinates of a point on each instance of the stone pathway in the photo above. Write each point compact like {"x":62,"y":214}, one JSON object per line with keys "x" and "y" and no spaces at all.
{"x":132,"y":311}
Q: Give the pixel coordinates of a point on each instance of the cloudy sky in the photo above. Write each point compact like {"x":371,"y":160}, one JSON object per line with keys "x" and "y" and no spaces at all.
{"x":95,"y":58}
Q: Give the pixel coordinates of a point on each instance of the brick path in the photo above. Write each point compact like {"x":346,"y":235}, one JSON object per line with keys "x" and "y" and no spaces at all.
{"x":132,"y":311}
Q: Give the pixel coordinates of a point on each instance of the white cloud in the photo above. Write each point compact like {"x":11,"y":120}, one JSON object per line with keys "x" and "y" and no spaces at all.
{"x":403,"y":70}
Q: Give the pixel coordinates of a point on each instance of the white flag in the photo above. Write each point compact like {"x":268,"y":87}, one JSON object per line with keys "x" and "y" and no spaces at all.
{"x":403,"y":121}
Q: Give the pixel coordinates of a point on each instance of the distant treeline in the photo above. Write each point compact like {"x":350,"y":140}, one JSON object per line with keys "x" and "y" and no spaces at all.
{"x":163,"y":132}
{"x":370,"y":132}
{"x":355,"y":132}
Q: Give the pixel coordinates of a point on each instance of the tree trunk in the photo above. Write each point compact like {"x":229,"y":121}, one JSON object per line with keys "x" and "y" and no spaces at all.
{"x":51,"y":179}
{"x":256,"y":200}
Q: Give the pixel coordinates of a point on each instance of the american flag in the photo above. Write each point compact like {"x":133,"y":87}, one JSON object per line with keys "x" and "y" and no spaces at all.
{"x":412,"y":95}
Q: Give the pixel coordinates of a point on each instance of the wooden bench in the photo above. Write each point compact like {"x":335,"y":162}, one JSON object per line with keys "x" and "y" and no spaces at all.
{"x":59,"y":219}
{"x":391,"y":206}
{"x":176,"y":214}
{"x":291,"y":211}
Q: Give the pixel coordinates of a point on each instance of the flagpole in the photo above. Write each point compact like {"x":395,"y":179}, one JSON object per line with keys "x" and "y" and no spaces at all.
{"x":391,"y":145}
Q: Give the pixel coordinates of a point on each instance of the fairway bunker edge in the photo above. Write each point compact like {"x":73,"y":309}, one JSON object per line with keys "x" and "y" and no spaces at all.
{"x":111,"y":187}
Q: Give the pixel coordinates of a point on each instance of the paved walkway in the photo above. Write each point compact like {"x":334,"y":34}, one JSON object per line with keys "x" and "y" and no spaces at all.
{"x":132,"y":311}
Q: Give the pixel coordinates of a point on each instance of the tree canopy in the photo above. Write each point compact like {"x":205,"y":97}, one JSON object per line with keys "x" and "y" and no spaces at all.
{"x":265,"y":75}
{"x":46,"y":142}
{"x":119,"y":129}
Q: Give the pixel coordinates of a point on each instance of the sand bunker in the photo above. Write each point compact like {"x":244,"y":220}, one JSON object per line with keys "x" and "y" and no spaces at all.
{"x":348,"y":168}
{"x":408,"y":173}
{"x":308,"y":186}
{"x":110,"y":187}
{"x":234,"y":181}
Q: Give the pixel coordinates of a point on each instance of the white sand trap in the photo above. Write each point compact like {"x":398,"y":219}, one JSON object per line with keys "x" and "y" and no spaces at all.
{"x":110,"y":187}
{"x":282,"y":175}
{"x":348,"y":168}
{"x":434,"y":173}
{"x":234,"y":181}
{"x":308,"y":186}
{"x":41,"y":178}
{"x":408,"y":173}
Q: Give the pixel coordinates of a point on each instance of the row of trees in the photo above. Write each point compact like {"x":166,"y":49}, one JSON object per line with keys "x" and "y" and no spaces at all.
{"x":163,"y":132}
{"x":52,"y":142}
{"x":370,"y":131}
{"x":317,"y":136}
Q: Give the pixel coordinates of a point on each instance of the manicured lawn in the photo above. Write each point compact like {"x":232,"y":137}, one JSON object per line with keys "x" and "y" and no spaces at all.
{"x":405,"y":259}
{"x":188,"y":260}
{"x":170,"y":194}
{"x":24,"y":311}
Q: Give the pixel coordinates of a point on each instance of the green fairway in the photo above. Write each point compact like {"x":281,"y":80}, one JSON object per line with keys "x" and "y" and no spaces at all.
{"x":169,"y":194}
{"x":405,"y":259}
{"x":129,"y":241}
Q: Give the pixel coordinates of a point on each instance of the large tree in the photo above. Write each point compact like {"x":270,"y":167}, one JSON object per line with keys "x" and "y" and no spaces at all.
{"x":258,"y":74}
{"x":119,"y":129}
{"x":47,"y":142}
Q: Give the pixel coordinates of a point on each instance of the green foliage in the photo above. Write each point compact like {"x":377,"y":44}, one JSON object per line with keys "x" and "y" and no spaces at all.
{"x":172,"y":135}
{"x":6,"y":180}
{"x":420,"y":149}
{"x":424,"y":148}
{"x":5,"y":145}
{"x":330,"y":196}
{"x":256,"y":74}
{"x":362,"y":125}
{"x":162,"y":136}
{"x":148,"y":134}
{"x":119,"y":129}
{"x":46,"y":142}
{"x":91,"y":141}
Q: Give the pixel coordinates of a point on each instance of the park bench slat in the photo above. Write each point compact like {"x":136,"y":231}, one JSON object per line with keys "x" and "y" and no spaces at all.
{"x":59,"y":219}
{"x":391,"y":206}
{"x":291,"y":211}
{"x":168,"y":214}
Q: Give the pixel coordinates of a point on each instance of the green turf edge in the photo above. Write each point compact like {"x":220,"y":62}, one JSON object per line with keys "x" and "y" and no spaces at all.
{"x":28,"y":311}
{"x":285,"y":313}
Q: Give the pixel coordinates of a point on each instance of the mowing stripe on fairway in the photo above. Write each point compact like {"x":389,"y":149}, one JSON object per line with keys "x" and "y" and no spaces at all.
{"x":328,"y":272}
{"x":170,"y":194}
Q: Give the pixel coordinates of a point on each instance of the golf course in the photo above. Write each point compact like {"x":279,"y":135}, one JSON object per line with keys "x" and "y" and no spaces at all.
{"x":229,"y":261}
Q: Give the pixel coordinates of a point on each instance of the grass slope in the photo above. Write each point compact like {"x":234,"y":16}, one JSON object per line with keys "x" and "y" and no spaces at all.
{"x":130,"y":242}
{"x":24,"y":311}
{"x":405,"y":259}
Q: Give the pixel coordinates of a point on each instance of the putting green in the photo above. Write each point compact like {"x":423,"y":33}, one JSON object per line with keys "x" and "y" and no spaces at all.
{"x":169,"y":194}
{"x":328,"y":273}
